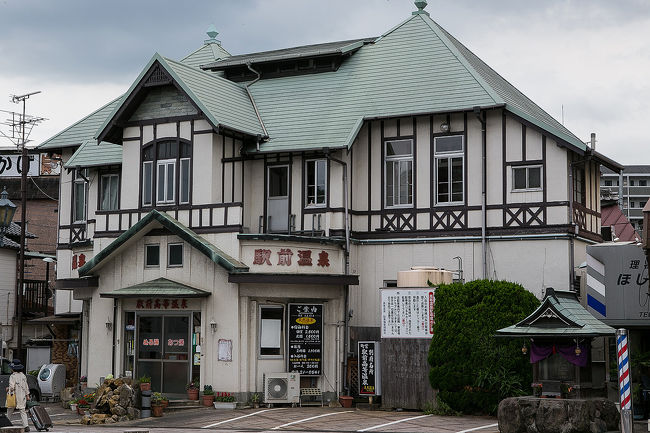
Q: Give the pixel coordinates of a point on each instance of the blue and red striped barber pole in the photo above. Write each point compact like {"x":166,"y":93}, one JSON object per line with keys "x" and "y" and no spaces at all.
{"x":623,"y":370}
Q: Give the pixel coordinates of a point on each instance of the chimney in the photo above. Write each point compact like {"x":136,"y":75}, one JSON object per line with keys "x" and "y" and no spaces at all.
{"x":593,"y":141}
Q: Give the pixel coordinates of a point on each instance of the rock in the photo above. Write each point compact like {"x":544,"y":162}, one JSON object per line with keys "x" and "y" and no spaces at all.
{"x":509,"y":416}
{"x":126,"y":394}
{"x":118,"y":410}
{"x":109,"y":421}
{"x":123,"y":418}
{"x":598,"y":426}
{"x":133,"y":413}
{"x":85,"y":419}
{"x":98,"y":418}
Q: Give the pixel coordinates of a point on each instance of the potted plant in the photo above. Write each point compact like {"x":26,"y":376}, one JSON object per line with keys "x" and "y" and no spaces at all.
{"x":225,"y":400}
{"x":255,"y":399}
{"x":156,"y":404}
{"x":82,"y":406}
{"x":565,"y":390}
{"x":145,"y":383}
{"x":164,"y":401}
{"x":537,"y":389}
{"x":83,"y":381}
{"x":208,"y":395}
{"x":73,"y":405}
{"x":192,"y":390}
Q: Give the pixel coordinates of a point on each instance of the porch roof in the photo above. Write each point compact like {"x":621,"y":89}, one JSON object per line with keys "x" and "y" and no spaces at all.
{"x":160,"y":287}
{"x":559,"y":315}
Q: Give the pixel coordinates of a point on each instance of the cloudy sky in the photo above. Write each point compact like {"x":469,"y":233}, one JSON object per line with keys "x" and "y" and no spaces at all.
{"x":584,"y":61}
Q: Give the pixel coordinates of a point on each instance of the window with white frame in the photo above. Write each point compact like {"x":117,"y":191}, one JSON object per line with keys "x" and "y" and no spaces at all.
{"x":449,"y":162}
{"x":109,"y":191}
{"x":398,"y":173}
{"x":271,"y":330}
{"x":316,"y":182}
{"x":527,"y":178}
{"x":166,"y":173}
{"x":79,"y":195}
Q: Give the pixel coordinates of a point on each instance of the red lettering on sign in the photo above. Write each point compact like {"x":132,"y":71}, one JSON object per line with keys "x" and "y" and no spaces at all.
{"x":284,"y":257}
{"x":74,"y":262}
{"x":323,"y":259}
{"x":304,"y":258}
{"x":262,"y":256}
{"x":82,"y":260}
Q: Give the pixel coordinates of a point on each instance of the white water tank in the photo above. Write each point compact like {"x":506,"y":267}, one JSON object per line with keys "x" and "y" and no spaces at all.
{"x":51,"y":379}
{"x":419,"y":276}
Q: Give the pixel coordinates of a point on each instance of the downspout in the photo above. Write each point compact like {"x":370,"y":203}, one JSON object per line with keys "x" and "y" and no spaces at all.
{"x":481,"y":118}
{"x":346,"y":306}
{"x":571,"y":224}
{"x":114,"y":334}
{"x":250,"y":96}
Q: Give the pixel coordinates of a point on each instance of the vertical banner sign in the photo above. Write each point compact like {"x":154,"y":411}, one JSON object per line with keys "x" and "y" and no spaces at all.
{"x":623,"y":368}
{"x":369,"y":362}
{"x":407,"y":313}
{"x":306,"y":339}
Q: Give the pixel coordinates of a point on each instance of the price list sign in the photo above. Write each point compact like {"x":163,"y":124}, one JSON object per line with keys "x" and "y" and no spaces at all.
{"x":407,"y":313}
{"x":306,"y":339}
{"x":369,"y":376}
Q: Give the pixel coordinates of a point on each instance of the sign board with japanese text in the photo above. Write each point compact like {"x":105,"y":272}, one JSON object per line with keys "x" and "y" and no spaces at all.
{"x":11,"y":165}
{"x":407,"y":313}
{"x":292,"y":258}
{"x":369,"y":368}
{"x":617,"y":289}
{"x":305,"y":335}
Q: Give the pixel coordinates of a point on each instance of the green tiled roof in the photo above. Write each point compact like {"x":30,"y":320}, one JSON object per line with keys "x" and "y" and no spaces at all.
{"x":208,"y":53}
{"x":91,"y":154}
{"x":224,"y":103}
{"x":160,"y":287}
{"x":157,"y":218}
{"x":559,"y":315}
{"x":82,"y":131}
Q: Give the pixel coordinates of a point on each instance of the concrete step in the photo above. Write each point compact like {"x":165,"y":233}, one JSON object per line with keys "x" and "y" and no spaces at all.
{"x":184,"y":403}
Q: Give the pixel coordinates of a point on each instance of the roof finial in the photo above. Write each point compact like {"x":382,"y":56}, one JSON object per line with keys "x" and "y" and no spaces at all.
{"x":212,"y":34}
{"x":421,"y":4}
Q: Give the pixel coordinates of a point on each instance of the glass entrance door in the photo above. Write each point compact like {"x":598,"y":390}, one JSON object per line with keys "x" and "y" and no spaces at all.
{"x":164,"y":346}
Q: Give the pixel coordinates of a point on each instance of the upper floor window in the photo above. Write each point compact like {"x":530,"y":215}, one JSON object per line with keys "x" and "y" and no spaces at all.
{"x":166,"y":171}
{"x":608,"y":183}
{"x":579,"y":187}
{"x":152,"y":255}
{"x":174,"y":255}
{"x":449,"y":159}
{"x":643,"y":182}
{"x":109,"y":191}
{"x":316,"y":182}
{"x":399,"y":172}
{"x":79,"y":195}
{"x":528,"y":178}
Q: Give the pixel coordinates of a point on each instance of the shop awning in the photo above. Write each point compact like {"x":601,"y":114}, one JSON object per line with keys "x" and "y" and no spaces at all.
{"x":160,"y":288}
{"x":76,"y":283}
{"x":285,"y":278}
{"x":58,"y":320}
{"x":559,"y":316}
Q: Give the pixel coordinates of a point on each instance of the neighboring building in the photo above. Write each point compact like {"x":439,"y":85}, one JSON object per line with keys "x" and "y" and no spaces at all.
{"x":633,"y":187}
{"x":204,"y":211}
{"x":614,"y":225}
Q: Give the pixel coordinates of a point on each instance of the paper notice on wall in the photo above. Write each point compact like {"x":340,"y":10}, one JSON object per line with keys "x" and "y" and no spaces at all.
{"x":407,"y":313}
{"x":225,"y":350}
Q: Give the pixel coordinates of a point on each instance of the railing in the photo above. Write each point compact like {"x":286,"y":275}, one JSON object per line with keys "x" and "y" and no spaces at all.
{"x":36,"y":296}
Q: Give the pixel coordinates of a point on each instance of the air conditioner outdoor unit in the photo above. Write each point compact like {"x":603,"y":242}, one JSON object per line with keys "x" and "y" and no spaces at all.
{"x":282,"y":388}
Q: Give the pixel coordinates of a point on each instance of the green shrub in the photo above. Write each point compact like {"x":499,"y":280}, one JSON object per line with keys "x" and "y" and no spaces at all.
{"x":471,"y":368}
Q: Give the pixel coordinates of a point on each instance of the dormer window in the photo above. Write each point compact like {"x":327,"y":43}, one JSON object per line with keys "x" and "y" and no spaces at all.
{"x":166,"y":173}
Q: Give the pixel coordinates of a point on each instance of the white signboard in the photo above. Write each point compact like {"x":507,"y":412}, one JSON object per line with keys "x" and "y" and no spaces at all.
{"x":407,"y":313}
{"x":11,"y":165}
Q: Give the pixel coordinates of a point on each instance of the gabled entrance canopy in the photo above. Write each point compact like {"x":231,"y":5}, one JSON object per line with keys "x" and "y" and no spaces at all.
{"x":156,"y":219}
{"x":561,"y":316}
{"x":160,"y":287}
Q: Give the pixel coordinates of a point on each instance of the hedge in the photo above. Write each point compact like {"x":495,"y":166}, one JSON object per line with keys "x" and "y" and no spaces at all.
{"x":472,"y":369}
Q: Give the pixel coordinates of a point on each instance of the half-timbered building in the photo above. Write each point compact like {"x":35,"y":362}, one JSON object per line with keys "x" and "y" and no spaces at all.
{"x":221,"y":194}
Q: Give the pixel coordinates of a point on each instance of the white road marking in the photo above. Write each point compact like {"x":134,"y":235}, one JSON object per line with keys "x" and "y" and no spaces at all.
{"x":393,"y":422}
{"x":308,"y":419}
{"x":478,"y":428}
{"x":240,"y":417}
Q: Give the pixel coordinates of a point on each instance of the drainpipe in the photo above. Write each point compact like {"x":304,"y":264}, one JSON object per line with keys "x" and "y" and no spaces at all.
{"x":481,"y":118}
{"x":250,"y":96}
{"x":114,"y":334}
{"x":571,"y":224}
{"x":346,"y":307}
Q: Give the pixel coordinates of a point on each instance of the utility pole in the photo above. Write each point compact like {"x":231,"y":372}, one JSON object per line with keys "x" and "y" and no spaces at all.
{"x":19,"y":137}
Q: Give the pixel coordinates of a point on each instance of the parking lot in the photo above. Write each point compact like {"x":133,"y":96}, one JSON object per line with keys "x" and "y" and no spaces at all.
{"x":283,"y":419}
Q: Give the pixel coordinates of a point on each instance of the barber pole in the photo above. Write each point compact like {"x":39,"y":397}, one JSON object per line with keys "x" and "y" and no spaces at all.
{"x":624,"y":380}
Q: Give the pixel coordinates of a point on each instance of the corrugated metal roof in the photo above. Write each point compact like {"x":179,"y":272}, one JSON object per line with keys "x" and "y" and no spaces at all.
{"x":91,"y":154}
{"x":160,"y":287}
{"x":315,"y":50}
{"x":629,"y":169}
{"x":559,"y":315}
{"x":82,"y":130}
{"x":208,"y":53}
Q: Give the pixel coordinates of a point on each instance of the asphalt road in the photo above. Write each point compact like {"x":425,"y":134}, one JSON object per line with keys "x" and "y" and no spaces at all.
{"x":284,"y":419}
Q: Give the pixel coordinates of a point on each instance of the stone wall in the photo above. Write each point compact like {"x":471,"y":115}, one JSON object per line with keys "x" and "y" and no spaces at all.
{"x":549,"y":415}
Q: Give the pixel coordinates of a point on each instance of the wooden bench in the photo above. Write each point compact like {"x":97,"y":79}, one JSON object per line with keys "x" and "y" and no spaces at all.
{"x":311,"y":392}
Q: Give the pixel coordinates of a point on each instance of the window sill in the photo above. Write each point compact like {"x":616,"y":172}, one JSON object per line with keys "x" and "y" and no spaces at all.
{"x":527,"y":190}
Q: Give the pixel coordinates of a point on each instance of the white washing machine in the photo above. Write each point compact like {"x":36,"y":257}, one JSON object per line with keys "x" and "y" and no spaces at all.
{"x":51,"y":380}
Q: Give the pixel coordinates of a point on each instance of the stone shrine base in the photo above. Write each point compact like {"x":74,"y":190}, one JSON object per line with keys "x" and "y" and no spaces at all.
{"x":551,"y":415}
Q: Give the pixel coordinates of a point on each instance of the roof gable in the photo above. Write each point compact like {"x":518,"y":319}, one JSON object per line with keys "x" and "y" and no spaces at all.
{"x":156,"y":219}
{"x":93,"y":154}
{"x":223,"y":103}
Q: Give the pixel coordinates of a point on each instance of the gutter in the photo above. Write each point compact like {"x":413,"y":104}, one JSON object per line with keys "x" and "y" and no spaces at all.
{"x":250,"y":96}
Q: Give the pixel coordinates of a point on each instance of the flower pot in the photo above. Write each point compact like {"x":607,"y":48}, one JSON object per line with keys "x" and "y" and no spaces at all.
{"x":73,"y":407}
{"x":256,"y":405}
{"x":157,"y":410}
{"x":164,"y":403}
{"x":208,"y":400}
{"x":84,"y":385}
{"x":146,"y":386}
{"x":346,"y":400}
{"x":193,"y":394}
{"x":225,"y":404}
{"x":81,"y":410}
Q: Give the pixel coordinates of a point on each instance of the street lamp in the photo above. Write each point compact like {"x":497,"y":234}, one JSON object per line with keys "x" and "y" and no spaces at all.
{"x":7,"y":211}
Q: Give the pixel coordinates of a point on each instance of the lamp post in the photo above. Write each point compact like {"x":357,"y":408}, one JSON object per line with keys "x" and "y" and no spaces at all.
{"x":7,"y":211}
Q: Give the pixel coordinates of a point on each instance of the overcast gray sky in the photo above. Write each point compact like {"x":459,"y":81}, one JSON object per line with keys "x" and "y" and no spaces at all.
{"x":590,"y":56}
